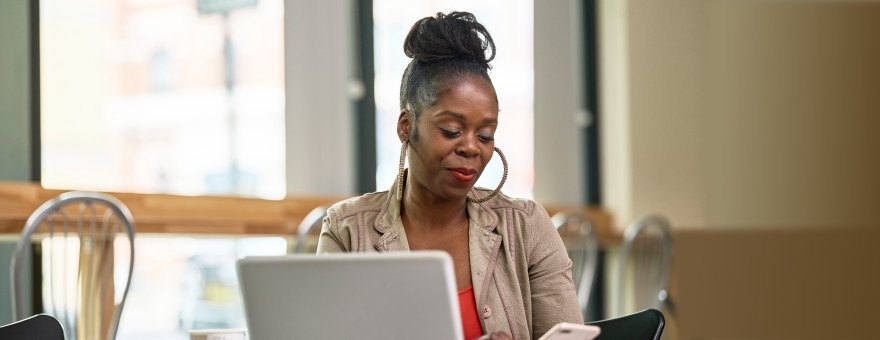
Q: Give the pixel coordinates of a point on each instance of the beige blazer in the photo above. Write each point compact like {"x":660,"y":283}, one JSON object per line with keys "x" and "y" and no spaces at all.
{"x":520,"y":271}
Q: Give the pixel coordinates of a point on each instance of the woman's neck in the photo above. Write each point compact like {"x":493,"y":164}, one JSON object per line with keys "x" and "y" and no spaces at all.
{"x":427,"y":211}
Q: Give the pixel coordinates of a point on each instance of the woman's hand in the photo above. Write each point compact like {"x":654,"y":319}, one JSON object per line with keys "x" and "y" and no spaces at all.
{"x":496,"y":336}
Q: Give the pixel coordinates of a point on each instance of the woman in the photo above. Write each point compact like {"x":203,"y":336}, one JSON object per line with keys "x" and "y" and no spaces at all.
{"x":512,"y":271}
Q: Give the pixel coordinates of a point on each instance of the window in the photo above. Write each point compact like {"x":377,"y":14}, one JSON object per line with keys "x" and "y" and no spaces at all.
{"x":185,"y":283}
{"x":163,"y":96}
{"x":511,"y":25}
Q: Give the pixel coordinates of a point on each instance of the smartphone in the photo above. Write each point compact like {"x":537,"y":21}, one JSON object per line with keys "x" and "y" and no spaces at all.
{"x":571,"y":331}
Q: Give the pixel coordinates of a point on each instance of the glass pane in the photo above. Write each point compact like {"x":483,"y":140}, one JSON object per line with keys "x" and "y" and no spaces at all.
{"x":185,"y":283}
{"x":155,"y":96}
{"x":511,"y":26}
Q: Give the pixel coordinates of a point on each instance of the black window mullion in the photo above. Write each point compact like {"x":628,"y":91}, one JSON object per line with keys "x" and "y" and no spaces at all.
{"x":365,"y":107}
{"x":591,"y":98}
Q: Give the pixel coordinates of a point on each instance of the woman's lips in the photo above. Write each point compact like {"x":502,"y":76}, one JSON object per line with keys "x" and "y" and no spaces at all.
{"x":463,"y":175}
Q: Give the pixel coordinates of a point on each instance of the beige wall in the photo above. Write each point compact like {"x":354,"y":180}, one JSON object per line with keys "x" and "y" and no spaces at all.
{"x":748,"y":123}
{"x":775,"y":284}
{"x":741,"y":113}
{"x":794,"y":114}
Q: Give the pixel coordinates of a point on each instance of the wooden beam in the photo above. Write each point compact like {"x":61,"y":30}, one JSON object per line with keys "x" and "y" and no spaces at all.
{"x":155,"y":213}
{"x":218,"y":215}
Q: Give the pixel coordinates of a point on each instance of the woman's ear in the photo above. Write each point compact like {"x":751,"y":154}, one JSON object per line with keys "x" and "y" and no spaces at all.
{"x":403,"y":125}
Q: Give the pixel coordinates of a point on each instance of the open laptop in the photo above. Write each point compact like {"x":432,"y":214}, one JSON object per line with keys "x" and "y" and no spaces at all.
{"x":350,"y":296}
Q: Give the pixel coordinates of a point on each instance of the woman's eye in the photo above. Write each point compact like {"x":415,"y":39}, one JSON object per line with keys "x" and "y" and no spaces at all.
{"x":486,"y":139}
{"x":450,"y":133}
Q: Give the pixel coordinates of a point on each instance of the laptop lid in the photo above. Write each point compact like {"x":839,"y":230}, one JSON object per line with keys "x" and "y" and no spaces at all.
{"x":350,"y":296}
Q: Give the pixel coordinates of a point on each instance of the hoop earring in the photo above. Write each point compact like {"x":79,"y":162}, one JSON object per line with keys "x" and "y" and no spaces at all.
{"x":400,"y":171}
{"x":498,"y":189}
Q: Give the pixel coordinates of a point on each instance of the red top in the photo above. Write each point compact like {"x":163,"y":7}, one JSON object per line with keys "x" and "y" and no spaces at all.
{"x":470,"y":320}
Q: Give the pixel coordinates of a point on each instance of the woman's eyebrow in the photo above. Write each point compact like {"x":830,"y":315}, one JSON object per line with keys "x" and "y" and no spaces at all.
{"x":461,"y":117}
{"x":454,"y":115}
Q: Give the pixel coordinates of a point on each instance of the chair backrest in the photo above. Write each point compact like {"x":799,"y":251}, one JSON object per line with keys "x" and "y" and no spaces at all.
{"x":582,"y":244}
{"x":81,"y":236}
{"x":645,"y":325}
{"x":308,"y":231}
{"x":37,"y":327}
{"x":644,"y":264}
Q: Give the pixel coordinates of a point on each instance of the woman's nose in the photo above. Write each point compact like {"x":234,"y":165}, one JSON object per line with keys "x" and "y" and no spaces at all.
{"x":468,"y":147}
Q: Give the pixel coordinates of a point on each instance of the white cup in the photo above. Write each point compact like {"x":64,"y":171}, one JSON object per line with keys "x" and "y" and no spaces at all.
{"x":218,"y":334}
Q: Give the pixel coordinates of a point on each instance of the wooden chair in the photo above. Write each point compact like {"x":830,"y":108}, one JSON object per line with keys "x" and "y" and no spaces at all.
{"x":644,"y":264}
{"x":582,"y":244}
{"x":37,"y":327}
{"x":85,"y":250}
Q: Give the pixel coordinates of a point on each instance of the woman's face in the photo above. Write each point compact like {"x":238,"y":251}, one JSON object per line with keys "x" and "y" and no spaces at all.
{"x":455,"y":139}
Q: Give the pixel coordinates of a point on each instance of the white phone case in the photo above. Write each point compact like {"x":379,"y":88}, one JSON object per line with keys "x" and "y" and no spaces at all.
{"x":571,"y":331}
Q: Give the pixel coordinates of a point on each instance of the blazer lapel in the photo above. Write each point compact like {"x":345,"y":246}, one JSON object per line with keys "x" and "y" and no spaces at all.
{"x":390,"y":225}
{"x":483,"y":246}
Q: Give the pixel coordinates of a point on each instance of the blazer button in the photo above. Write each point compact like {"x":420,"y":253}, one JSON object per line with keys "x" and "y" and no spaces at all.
{"x":487,"y":312}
